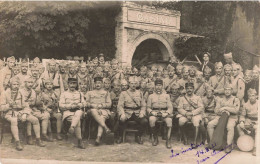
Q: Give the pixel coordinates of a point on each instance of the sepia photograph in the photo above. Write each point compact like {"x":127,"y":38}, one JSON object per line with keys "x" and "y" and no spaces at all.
{"x":165,"y":81}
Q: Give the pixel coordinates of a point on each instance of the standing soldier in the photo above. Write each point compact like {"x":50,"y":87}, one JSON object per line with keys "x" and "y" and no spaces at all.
{"x":29,"y":97}
{"x":106,"y":69}
{"x":143,"y":73}
{"x":23,"y":73}
{"x":99,"y":102}
{"x":37,"y":81}
{"x":192,"y":73}
{"x":124,"y":85}
{"x":190,"y":108}
{"x":207,"y":73}
{"x":159,"y":106}
{"x":238,"y":83}
{"x":71,"y":103}
{"x":150,"y":90}
{"x":229,"y":104}
{"x":107,"y":84}
{"x":131,"y":106}
{"x":114,"y":74}
{"x":73,"y":70}
{"x":179,"y":69}
{"x":217,"y":81}
{"x":200,"y":86}
{"x":248,"y":83}
{"x":51,"y":71}
{"x":6,"y":74}
{"x":50,"y":100}
{"x":184,"y":79}
{"x":83,"y":75}
{"x":62,"y":78}
{"x":249,"y":116}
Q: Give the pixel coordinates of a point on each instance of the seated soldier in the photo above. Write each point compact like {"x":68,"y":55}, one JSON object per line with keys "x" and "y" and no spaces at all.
{"x":99,"y":102}
{"x":190,"y":108}
{"x":50,"y":101}
{"x":229,"y":104}
{"x":131,"y":107}
{"x":71,"y":103}
{"x":249,"y":115}
{"x":29,"y":97}
{"x":159,"y":106}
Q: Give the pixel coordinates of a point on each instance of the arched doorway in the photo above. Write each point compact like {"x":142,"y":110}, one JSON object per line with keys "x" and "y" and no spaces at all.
{"x":149,"y":51}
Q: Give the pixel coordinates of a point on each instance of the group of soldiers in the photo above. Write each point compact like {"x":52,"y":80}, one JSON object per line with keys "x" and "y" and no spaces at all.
{"x":69,"y":91}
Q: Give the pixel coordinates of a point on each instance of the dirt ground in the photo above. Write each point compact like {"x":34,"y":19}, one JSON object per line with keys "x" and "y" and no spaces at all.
{"x":125,"y":152}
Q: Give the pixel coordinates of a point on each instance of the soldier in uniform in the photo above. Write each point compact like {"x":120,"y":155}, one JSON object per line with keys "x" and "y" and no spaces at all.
{"x":107,"y":84}
{"x":6,"y":74}
{"x":106,"y":69}
{"x":200,"y":85}
{"x":192,"y":73}
{"x":179,"y":69}
{"x":249,"y":115}
{"x":83,"y":74}
{"x":99,"y":102}
{"x":248,"y":83}
{"x":62,"y":78}
{"x":71,"y":103}
{"x":255,"y":78}
{"x":124,"y":85}
{"x":190,"y":108}
{"x":23,"y":73}
{"x":217,"y":81}
{"x":185,"y":78}
{"x":51,"y":71}
{"x":150,"y":90}
{"x":131,"y":106}
{"x":159,"y":106}
{"x":16,"y":70}
{"x":29,"y":97}
{"x":207,"y":73}
{"x":13,"y":107}
{"x":143,"y":73}
{"x":143,"y":87}
{"x":229,"y":104}
{"x":73,"y":70}
{"x":37,"y":81}
{"x":50,"y":100}
{"x":238,"y":83}
{"x":114,"y":74}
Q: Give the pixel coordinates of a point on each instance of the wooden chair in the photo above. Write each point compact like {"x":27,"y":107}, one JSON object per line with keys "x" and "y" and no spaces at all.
{"x":129,"y":129}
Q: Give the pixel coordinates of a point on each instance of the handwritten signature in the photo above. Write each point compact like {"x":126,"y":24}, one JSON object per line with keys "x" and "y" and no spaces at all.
{"x":213,"y":153}
{"x":192,"y":146}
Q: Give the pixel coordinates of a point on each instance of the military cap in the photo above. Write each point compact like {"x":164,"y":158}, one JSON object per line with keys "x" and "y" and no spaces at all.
{"x":175,"y":86}
{"x":83,"y":64}
{"x":209,"y":55}
{"x":99,"y":69}
{"x":98,"y":78}
{"x":70,"y":79}
{"x":47,"y":80}
{"x":158,"y":81}
{"x":228,"y":55}
{"x":76,"y":58}
{"x":135,"y":70}
{"x":251,"y":91}
{"x":248,"y":72}
{"x":255,"y":68}
{"x":52,"y":62}
{"x":192,"y":68}
{"x":207,"y":69}
{"x":12,"y":58}
{"x":106,"y":80}
{"x":179,"y":66}
{"x":116,"y":81}
{"x":107,"y":64}
{"x":189,"y":84}
{"x":36,"y":60}
{"x":14,"y":79}
{"x":185,"y":68}
{"x":114,"y":61}
{"x":63,"y":63}
{"x":124,"y":82}
{"x":154,"y":68}
{"x":218,"y":64}
{"x":170,"y":68}
{"x":132,"y":79}
{"x":160,"y":68}
{"x":227,"y":66}
{"x":73,"y":65}
{"x":101,"y":55}
{"x":228,"y":86}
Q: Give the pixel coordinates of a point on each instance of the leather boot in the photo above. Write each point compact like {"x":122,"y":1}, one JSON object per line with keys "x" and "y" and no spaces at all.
{"x":97,"y":142}
{"x":39,"y":142}
{"x":29,"y":140}
{"x":119,"y":140}
{"x":139,"y":140}
{"x":183,"y":133}
{"x":46,"y":138}
{"x":155,"y":137}
{"x":254,"y":151}
{"x":168,"y":139}
{"x":18,"y":146}
{"x":58,"y":136}
{"x":196,"y":136}
{"x":51,"y":137}
{"x":81,"y":144}
{"x":164,"y":135}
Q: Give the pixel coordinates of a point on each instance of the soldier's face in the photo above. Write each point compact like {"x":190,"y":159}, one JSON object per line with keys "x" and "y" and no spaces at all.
{"x":98,"y":85}
{"x":24,"y":69}
{"x":132,"y":85}
{"x":48,"y":86}
{"x":255,"y":74}
{"x":206,"y":57}
{"x":159,"y":74}
{"x":62,"y":69}
{"x":179,"y":70}
{"x":72,"y":85}
{"x":158,"y":88}
{"x":35,"y":73}
{"x":143,"y":85}
{"x":228,"y":71}
{"x":142,"y":72}
{"x":114,"y":66}
{"x":189,"y":90}
{"x":52,"y":67}
{"x":248,"y":76}
{"x":29,"y":84}
{"x":15,"y":86}
{"x":191,"y":72}
{"x":117,"y":87}
{"x":101,"y":59}
{"x":235,"y":72}
{"x":171,"y":73}
{"x":72,"y":70}
{"x":124,"y":87}
{"x":16,"y":71}
{"x":174,"y":91}
{"x":83,"y":87}
{"x":228,"y":91}
{"x":95,"y":63}
{"x":91,"y":68}
{"x":11,"y":63}
{"x":83,"y":69}
{"x":107,"y":84}
{"x":218,"y":70}
{"x":150,"y":89}
{"x":252,"y":98}
{"x":185,"y":74}
{"x":166,"y":73}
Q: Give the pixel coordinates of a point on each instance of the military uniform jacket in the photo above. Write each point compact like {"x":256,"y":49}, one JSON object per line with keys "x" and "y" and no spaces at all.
{"x":61,"y":81}
{"x":238,"y":85}
{"x":159,"y":102}
{"x":5,"y":76}
{"x":196,"y":108}
{"x":175,"y":102}
{"x":129,"y":99}
{"x":232,"y":104}
{"x":114,"y":98}
{"x":200,"y":88}
{"x":249,"y":112}
{"x":97,"y":97}
{"x":50,"y":100}
{"x":67,"y":98}
{"x":217,"y":82}
{"x":30,"y":98}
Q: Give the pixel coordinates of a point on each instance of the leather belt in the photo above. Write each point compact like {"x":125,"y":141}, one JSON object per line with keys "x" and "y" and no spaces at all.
{"x":132,"y":108}
{"x":159,"y":108}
